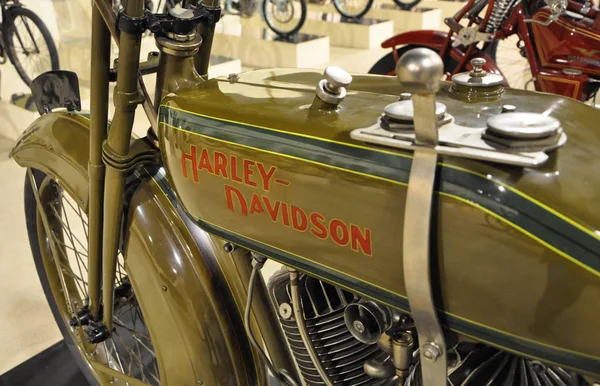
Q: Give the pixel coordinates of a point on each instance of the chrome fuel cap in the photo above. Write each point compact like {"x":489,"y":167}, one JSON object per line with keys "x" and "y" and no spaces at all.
{"x":478,"y":77}
{"x":405,"y":111}
{"x":523,"y":125}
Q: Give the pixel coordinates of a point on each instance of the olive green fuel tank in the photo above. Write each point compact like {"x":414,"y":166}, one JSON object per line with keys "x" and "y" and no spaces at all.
{"x":517,"y":250}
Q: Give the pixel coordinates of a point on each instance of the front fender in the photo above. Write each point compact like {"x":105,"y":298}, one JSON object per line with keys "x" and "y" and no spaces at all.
{"x":57,"y":144}
{"x":185,"y":279}
{"x":435,"y":40}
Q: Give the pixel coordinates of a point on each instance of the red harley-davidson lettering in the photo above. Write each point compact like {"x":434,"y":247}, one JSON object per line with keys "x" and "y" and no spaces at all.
{"x":259,"y":176}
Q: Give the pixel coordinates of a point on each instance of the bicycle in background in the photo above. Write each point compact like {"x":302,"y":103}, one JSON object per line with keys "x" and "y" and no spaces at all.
{"x":26,"y":41}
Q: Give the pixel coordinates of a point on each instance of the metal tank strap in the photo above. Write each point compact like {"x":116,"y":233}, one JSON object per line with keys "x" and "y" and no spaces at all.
{"x":420,"y":71}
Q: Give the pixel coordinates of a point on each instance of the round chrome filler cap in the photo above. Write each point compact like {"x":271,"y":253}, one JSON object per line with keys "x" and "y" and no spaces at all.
{"x":478,"y":77}
{"x":523,"y":125}
{"x":405,"y":111}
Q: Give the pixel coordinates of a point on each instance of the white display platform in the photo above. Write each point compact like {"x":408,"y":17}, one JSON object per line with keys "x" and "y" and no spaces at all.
{"x":364,"y":33}
{"x":448,"y":8}
{"x":260,"y":47}
{"x":415,"y":19}
{"x":75,"y":56}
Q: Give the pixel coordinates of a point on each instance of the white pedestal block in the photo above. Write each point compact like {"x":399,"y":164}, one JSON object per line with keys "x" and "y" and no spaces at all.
{"x":76,"y":54}
{"x":415,"y":19}
{"x":448,"y":8}
{"x":364,"y":33}
{"x":259,"y":47}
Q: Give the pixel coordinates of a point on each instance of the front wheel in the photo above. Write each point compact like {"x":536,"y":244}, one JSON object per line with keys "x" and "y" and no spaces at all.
{"x":60,"y":253}
{"x":284,"y":17}
{"x":353,"y":9}
{"x":406,"y":5}
{"x":387,"y":64}
{"x":29,"y":44}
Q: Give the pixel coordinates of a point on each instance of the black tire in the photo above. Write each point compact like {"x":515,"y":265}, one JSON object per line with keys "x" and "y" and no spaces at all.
{"x":406,"y":5}
{"x":387,"y":64}
{"x":338,"y":4}
{"x":267,"y":6}
{"x":31,"y":221}
{"x":15,"y":17}
{"x":40,"y":242}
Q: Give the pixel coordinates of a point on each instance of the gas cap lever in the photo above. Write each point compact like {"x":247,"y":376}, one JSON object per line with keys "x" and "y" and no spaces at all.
{"x":419,"y":71}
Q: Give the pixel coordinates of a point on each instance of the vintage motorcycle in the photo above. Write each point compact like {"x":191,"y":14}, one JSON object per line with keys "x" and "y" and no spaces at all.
{"x":444,"y":238}
{"x":557,"y":40}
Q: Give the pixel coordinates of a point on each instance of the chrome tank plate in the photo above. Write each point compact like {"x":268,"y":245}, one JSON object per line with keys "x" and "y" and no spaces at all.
{"x":467,"y":142}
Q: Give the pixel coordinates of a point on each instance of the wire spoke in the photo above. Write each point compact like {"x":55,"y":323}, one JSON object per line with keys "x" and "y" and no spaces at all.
{"x":68,"y":230}
{"x":130,"y":349}
{"x":70,"y":236}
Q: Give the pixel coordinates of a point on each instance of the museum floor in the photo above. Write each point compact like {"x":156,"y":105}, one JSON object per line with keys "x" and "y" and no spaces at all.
{"x":25,"y":320}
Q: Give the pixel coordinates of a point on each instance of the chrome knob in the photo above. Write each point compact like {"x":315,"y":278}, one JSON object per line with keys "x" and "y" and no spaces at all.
{"x":337,"y":79}
{"x":478,"y":64}
{"x":420,"y":70}
{"x":332,"y":89}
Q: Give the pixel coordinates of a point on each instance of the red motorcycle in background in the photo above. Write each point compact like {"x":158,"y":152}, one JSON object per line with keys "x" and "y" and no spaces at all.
{"x":560,"y":39}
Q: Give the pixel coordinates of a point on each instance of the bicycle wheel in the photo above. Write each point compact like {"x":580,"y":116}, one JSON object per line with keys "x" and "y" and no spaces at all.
{"x":353,"y":9}
{"x":29,"y":44}
{"x":280,"y":15}
{"x":512,"y":60}
{"x":406,"y":4}
{"x":130,"y":350}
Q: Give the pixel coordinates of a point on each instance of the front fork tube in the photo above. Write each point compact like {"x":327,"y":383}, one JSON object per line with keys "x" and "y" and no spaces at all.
{"x":116,"y":148}
{"x":96,"y":169}
{"x":207,"y":32}
{"x":202,"y":58}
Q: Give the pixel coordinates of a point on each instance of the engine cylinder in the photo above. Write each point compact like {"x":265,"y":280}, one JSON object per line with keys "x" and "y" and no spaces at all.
{"x":323,"y":305}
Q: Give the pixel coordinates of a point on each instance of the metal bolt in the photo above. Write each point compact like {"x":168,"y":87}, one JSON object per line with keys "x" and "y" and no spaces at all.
{"x":405,"y":96}
{"x":431,"y":351}
{"x":403,"y":339}
{"x":164,"y":288}
{"x":285,"y":310}
{"x":229,"y":247}
{"x":509,"y":108}
{"x":337,"y":78}
{"x":233,"y":77}
{"x":359,"y":326}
